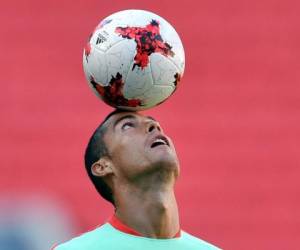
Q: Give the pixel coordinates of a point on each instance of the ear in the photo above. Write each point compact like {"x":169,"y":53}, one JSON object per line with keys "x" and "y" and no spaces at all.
{"x":102,"y":167}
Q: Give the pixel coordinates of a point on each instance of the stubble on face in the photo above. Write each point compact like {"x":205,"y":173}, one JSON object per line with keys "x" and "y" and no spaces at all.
{"x":129,"y":138}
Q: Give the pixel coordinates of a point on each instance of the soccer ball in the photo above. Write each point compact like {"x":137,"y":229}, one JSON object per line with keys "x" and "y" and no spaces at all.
{"x":133,"y":60}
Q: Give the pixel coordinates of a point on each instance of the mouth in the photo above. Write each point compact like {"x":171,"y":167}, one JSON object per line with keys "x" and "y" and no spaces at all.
{"x":160,"y":141}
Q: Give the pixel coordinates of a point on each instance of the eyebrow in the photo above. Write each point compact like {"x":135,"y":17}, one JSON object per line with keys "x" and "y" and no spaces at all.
{"x":151,"y":118}
{"x":129,"y":117}
{"x":123,"y":118}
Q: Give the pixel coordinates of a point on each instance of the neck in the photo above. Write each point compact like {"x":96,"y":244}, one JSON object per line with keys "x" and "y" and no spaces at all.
{"x":151,"y":212}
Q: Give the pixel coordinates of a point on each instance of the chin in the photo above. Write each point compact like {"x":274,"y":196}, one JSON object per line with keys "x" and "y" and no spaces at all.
{"x":166,"y":162}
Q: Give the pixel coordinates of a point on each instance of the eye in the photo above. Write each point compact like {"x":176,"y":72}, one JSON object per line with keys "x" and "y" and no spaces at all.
{"x":127,"y":125}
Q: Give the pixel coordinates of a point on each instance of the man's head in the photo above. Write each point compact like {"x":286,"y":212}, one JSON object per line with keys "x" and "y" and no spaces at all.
{"x":129,"y":147}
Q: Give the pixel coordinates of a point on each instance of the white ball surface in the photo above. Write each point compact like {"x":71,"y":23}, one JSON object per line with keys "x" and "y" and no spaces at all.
{"x":133,"y":60}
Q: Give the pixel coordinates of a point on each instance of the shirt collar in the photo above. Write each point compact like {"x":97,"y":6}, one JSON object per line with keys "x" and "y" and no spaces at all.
{"x":119,"y":225}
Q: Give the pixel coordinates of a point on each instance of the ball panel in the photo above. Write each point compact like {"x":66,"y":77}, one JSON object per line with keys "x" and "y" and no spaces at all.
{"x":156,"y":95}
{"x":91,"y":82}
{"x":141,"y":18}
{"x":148,"y":41}
{"x":137,"y":82}
{"x":89,"y":76}
{"x":163,"y":71}
{"x":119,"y":58}
{"x":171,"y":37}
{"x":112,"y":94}
{"x":96,"y":64}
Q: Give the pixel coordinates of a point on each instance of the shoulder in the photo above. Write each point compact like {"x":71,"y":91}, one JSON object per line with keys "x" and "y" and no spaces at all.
{"x":197,"y":242}
{"x":89,"y":240}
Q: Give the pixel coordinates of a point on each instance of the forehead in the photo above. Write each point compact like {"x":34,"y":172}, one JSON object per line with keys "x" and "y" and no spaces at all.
{"x":113,"y":120}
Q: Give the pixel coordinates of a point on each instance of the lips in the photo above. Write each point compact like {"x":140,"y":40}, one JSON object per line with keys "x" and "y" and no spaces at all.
{"x":159,"y":140}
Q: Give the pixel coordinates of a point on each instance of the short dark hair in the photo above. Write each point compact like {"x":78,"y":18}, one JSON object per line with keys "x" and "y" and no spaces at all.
{"x":95,"y":150}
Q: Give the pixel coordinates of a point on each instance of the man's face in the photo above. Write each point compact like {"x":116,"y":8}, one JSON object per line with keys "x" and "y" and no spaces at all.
{"x":137,"y":146}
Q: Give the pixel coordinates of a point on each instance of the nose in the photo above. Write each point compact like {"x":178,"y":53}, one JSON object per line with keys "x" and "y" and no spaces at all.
{"x":152,"y":126}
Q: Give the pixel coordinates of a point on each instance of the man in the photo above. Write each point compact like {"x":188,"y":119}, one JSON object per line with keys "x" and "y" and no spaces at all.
{"x":133,"y":165}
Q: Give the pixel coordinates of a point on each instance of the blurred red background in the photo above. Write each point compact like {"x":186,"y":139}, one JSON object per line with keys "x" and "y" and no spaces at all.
{"x":234,"y":119}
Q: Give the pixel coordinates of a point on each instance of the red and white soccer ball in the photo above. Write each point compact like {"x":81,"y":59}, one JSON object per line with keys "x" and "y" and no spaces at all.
{"x":134,"y":60}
